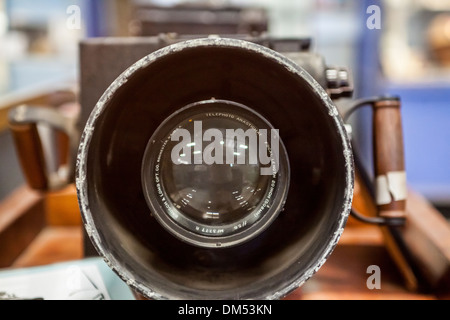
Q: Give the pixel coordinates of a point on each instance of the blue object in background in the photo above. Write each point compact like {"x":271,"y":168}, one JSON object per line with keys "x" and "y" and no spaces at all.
{"x":38,"y":12}
{"x":94,"y":13}
{"x":368,"y":83}
{"x":426,"y":127}
{"x":95,"y":18}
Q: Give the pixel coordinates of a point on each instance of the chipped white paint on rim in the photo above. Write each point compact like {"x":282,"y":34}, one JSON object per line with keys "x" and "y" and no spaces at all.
{"x":81,"y":164}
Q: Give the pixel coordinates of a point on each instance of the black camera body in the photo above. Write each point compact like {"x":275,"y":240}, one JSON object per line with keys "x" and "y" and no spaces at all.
{"x":102,"y":60}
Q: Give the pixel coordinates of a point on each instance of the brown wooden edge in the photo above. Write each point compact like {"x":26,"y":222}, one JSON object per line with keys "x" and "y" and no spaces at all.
{"x":30,"y":153}
{"x":22,"y":218}
{"x":421,"y":248}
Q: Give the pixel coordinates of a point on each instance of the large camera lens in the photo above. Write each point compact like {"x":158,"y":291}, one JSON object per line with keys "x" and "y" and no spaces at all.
{"x":156,"y":201}
{"x":215,"y":173}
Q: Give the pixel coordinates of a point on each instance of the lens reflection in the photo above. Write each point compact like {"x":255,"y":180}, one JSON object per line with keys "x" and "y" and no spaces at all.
{"x":213,"y":194}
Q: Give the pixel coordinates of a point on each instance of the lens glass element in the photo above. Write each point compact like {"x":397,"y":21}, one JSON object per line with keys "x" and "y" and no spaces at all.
{"x":217,"y":193}
{"x":215,"y":173}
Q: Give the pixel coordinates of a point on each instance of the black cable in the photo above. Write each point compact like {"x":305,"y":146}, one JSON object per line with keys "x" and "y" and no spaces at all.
{"x":365,"y":102}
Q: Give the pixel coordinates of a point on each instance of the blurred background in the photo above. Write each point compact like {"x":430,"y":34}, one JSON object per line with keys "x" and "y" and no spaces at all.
{"x":407,"y":54}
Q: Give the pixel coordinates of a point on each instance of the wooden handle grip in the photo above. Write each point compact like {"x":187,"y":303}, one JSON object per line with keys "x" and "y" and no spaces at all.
{"x":39,"y":174}
{"x":389,"y":160}
{"x":30,"y":154}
